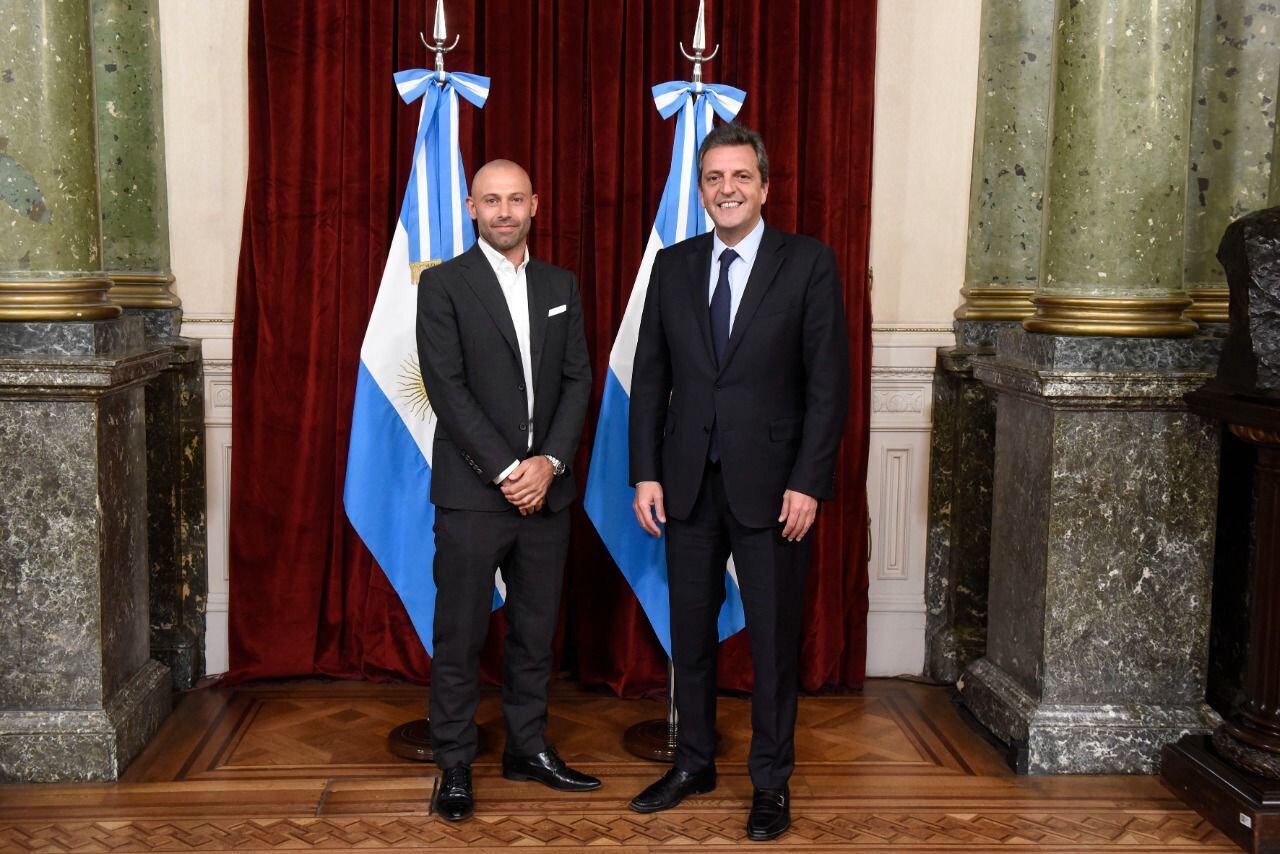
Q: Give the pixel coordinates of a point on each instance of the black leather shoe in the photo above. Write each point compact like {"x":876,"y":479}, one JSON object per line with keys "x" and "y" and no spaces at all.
{"x":674,"y":787}
{"x":770,"y":813}
{"x":455,"y":800}
{"x":548,"y":769}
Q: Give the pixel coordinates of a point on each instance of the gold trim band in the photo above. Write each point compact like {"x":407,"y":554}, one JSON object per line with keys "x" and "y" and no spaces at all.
{"x":995,"y":302}
{"x":1121,"y":317}
{"x":56,"y":299}
{"x":1209,"y":305}
{"x":143,"y":290}
{"x":1256,"y":435}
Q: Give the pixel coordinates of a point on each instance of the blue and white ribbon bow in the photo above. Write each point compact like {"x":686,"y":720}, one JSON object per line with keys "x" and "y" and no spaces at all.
{"x":437,"y":166}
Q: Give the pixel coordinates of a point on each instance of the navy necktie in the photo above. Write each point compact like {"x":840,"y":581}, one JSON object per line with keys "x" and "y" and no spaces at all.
{"x":720,"y":303}
{"x":719,"y":311}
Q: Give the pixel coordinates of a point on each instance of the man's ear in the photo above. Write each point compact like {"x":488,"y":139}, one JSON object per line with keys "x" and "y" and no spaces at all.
{"x":471,"y":208}
{"x":533,"y":205}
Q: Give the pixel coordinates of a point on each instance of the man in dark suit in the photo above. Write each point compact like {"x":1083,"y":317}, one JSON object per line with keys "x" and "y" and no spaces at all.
{"x":738,"y":403}
{"x":504,"y":362}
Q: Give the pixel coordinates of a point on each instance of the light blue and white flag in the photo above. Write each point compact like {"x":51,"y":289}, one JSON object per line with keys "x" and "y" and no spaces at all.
{"x":388,"y":486}
{"x":608,"y":498}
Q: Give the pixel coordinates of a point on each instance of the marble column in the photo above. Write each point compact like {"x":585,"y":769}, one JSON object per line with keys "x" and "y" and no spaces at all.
{"x":135,"y":232}
{"x":79,"y":692}
{"x":1117,"y":171}
{"x":1002,"y":269}
{"x":1233,"y":113}
{"x":131,"y":168}
{"x":51,"y":264}
{"x":1011,"y":134}
{"x":1104,"y":484}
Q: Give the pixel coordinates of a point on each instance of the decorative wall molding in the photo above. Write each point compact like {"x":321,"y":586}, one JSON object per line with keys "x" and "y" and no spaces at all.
{"x":902,"y":364}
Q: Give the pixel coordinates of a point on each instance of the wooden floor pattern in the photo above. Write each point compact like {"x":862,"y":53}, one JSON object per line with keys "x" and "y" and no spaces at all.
{"x":304,"y":766}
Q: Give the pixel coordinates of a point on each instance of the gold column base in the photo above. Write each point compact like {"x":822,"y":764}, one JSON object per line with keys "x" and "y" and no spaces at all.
{"x":143,"y":290}
{"x":1209,"y":305}
{"x":26,"y":300}
{"x":995,"y":302}
{"x":1121,"y":317}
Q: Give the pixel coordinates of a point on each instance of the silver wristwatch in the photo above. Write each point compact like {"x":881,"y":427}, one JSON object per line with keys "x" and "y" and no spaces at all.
{"x":557,"y":467}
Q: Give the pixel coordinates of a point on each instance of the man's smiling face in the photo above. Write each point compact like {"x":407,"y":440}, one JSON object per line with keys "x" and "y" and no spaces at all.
{"x":731,"y":190}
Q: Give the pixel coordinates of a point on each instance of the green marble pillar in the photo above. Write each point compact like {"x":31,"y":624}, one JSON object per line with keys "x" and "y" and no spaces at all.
{"x":135,"y":216}
{"x":1117,"y":170}
{"x":135,"y":233}
{"x":1233,"y":112}
{"x":1011,"y":134}
{"x":51,"y":263}
{"x":1002,"y":268}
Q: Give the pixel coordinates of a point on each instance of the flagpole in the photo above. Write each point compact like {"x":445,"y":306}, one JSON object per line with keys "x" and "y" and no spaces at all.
{"x":656,"y":739}
{"x":412,"y":740}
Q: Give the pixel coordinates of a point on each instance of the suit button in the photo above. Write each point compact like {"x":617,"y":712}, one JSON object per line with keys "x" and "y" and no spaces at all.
{"x":524,"y":426}
{"x":522,"y":386}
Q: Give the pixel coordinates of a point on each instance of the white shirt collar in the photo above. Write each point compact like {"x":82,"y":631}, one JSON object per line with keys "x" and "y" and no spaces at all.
{"x":496,"y":259}
{"x":746,"y":248}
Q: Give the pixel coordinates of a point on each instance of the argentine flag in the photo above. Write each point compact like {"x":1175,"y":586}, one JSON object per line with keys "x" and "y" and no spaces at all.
{"x":608,"y":498}
{"x":388,"y":485}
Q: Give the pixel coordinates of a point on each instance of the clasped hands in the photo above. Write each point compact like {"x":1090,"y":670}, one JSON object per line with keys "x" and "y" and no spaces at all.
{"x":798,"y":511}
{"x":527,"y":486}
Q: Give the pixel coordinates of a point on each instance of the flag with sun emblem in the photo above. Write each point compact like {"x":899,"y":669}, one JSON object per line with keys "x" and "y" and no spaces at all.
{"x":392,"y":426}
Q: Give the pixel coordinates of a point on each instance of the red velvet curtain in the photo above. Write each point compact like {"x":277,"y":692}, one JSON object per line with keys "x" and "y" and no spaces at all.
{"x":330,"y":145}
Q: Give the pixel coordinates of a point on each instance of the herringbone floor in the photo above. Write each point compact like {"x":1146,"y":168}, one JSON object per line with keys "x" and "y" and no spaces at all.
{"x":303,"y":766}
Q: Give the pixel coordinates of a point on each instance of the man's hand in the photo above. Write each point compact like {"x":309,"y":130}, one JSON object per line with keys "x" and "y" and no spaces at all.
{"x":527,"y":486}
{"x":798,"y":512}
{"x":647,"y":504}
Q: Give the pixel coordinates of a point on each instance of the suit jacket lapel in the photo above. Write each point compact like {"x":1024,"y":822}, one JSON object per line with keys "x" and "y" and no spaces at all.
{"x":484,"y":283}
{"x":763,"y":272}
{"x":538,"y":307}
{"x":699,"y":271}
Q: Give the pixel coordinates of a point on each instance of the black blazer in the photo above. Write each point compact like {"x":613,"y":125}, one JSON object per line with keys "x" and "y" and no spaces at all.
{"x":780,"y":399}
{"x":475,"y":383}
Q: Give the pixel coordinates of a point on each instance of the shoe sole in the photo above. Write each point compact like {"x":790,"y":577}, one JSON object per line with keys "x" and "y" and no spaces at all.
{"x":466,"y":815}
{"x":529,"y":778}
{"x":690,"y":793}
{"x":765,"y":837}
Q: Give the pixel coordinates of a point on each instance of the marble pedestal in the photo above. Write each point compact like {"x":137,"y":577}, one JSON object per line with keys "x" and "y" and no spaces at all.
{"x":1101,"y":551}
{"x":961,"y":456}
{"x":79,"y":692}
{"x":176,"y":534}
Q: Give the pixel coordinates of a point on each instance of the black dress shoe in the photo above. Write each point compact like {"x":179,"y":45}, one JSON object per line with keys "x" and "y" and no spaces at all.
{"x":674,"y":787}
{"x":770,"y":813}
{"x":548,"y":769}
{"x":455,"y":801}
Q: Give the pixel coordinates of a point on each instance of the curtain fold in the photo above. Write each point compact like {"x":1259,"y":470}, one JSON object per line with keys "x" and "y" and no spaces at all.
{"x":330,"y":145}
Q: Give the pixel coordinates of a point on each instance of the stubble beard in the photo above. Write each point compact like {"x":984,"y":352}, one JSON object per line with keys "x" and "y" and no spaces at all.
{"x":503,"y":242}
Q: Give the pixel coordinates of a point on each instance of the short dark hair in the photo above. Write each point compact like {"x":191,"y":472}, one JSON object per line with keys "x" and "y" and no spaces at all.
{"x":732,"y":133}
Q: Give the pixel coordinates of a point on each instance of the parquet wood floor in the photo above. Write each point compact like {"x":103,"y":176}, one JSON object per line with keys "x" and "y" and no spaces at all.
{"x":302,"y":766}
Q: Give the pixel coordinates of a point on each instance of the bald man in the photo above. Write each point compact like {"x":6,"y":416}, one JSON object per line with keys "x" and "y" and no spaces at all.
{"x":504,"y":362}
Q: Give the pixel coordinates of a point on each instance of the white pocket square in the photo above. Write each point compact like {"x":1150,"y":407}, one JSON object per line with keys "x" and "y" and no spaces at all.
{"x":560,"y":309}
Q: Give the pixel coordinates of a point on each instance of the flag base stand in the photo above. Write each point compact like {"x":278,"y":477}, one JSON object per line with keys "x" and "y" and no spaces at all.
{"x":412,"y":741}
{"x":654,"y":740}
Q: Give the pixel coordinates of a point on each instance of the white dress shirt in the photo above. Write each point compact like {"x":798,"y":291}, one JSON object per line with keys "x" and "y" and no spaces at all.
{"x":515,"y":288}
{"x":739,"y":271}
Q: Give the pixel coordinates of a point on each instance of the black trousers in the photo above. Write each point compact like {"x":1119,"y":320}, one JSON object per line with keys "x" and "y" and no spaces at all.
{"x":470,"y":545}
{"x":771,"y":575}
